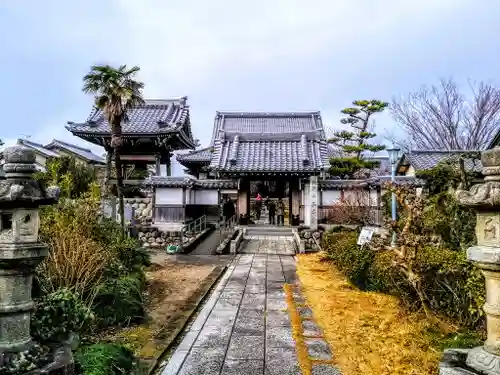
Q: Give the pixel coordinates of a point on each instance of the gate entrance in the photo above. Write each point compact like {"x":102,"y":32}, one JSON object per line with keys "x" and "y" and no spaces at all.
{"x":275,"y":193}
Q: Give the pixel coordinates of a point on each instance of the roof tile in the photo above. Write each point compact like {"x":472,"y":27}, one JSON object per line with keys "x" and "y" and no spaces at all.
{"x":422,"y":160}
{"x":155,"y":116}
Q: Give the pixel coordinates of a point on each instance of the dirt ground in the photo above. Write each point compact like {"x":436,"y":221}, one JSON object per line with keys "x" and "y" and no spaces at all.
{"x":170,"y":291}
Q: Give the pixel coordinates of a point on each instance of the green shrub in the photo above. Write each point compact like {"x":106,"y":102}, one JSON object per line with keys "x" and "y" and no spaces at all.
{"x":59,"y":314}
{"x":353,"y":260}
{"x":124,"y":295}
{"x":129,"y":256}
{"x":105,"y":359}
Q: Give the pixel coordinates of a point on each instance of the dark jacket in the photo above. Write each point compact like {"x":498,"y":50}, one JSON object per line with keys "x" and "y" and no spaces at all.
{"x":228,"y":208}
{"x":272,"y":208}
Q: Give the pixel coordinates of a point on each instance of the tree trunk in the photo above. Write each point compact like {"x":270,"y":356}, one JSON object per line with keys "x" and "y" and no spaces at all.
{"x":119,"y":188}
{"x":107,"y":172}
{"x":116,"y":143}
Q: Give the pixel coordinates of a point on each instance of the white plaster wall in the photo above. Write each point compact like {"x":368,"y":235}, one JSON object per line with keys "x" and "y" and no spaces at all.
{"x":168,"y":196}
{"x":207,"y":196}
{"x":192,"y":196}
{"x":329,"y":197}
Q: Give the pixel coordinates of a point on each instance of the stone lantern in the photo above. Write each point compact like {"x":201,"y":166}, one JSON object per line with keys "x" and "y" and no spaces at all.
{"x":485,"y":199}
{"x":20,"y":252}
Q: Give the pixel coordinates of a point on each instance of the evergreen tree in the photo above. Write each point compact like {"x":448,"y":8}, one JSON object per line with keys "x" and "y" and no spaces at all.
{"x":353,"y":144}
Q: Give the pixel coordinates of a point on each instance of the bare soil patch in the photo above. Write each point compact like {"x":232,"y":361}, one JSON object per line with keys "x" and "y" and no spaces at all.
{"x":171,"y":289}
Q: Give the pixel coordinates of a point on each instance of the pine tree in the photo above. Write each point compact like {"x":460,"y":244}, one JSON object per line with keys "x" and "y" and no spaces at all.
{"x":354,"y":143}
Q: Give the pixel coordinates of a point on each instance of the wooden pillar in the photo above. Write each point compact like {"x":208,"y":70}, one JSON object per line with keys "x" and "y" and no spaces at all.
{"x":158,"y":164}
{"x":243,"y":197}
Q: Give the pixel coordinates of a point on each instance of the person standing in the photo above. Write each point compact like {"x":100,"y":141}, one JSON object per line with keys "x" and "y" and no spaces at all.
{"x":280,"y":212}
{"x":228,"y":209}
{"x":258,"y":205}
{"x":272,"y":212}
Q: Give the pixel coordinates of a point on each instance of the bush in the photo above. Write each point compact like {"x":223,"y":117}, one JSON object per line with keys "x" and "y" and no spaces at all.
{"x":127,"y":254}
{"x":59,"y":314}
{"x":76,"y":260}
{"x":125,"y":295}
{"x":451,"y":286}
{"x":353,"y":260}
{"x":104,"y":359}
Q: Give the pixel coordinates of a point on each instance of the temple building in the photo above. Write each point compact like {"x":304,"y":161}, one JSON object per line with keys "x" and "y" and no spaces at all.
{"x":151,"y":134}
{"x":277,"y":155}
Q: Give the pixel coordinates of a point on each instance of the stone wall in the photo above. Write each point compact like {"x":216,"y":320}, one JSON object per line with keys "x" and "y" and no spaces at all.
{"x":154,"y":238}
{"x":143,"y":208}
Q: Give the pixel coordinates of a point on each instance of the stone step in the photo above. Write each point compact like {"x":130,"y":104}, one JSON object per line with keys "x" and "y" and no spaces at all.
{"x":263,"y":232}
{"x":270,"y":229}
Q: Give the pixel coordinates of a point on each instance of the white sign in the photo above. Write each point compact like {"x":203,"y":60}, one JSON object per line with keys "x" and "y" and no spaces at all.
{"x":313,"y":196}
{"x":366,"y":235}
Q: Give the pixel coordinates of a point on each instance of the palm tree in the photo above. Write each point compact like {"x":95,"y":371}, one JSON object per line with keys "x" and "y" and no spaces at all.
{"x":115,"y":92}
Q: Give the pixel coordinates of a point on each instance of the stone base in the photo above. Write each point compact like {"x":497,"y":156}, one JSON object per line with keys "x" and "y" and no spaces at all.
{"x":62,"y":364}
{"x":475,"y":361}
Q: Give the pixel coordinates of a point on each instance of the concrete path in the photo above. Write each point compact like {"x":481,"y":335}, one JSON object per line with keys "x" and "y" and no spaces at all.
{"x":245,"y":327}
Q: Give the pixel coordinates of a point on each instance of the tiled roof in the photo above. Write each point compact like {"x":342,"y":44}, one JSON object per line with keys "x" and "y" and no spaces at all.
{"x":421,"y":160}
{"x":154,"y":116}
{"x":38,"y":148}
{"x":269,"y":142}
{"x":84,"y":153}
{"x":266,"y":123}
{"x":271,"y":156}
{"x":177,"y":182}
{"x":399,"y":180}
{"x":50,"y":150}
{"x":203,"y":155}
{"x":371,"y":182}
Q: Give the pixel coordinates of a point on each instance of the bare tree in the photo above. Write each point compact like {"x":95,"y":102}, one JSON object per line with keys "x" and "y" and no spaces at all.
{"x":441,"y":117}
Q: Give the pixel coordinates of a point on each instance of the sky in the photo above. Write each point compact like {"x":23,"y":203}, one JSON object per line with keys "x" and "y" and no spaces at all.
{"x":279,"y":55}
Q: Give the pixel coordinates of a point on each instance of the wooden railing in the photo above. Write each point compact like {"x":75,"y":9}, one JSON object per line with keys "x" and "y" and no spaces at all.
{"x":196,"y":226}
{"x":169,"y":214}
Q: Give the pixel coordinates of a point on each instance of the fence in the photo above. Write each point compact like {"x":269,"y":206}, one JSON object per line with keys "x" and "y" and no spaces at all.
{"x":347,"y":215}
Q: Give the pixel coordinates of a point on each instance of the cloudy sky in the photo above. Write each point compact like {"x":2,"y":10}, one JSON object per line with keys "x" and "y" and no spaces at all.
{"x":255,"y":55}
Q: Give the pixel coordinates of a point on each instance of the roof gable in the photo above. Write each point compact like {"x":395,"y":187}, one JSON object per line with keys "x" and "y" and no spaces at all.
{"x":78,"y":151}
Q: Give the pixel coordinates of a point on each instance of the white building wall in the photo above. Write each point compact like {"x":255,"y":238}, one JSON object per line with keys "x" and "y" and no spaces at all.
{"x":330,"y":196}
{"x":168,"y":196}
{"x":207,"y":197}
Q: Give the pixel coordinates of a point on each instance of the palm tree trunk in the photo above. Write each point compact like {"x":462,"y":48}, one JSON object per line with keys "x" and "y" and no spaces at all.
{"x":119,"y":188}
{"x":116,"y":143}
{"x":107,"y":172}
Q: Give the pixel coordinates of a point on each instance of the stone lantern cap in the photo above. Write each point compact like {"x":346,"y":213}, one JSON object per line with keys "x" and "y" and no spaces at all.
{"x":486,"y":195}
{"x":19,"y":189}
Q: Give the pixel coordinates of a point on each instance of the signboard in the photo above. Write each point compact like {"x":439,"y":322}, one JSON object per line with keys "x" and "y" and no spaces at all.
{"x":366,"y":235}
{"x":313,"y":196}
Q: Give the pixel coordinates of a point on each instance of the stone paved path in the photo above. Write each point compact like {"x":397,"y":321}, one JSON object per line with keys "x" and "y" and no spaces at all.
{"x":270,"y":247}
{"x":244,"y":328}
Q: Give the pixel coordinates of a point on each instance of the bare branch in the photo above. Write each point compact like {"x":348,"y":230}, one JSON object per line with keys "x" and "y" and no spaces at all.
{"x":440,"y":117}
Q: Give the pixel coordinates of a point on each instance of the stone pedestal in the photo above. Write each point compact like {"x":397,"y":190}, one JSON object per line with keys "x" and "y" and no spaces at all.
{"x":20,"y":252}
{"x":485,"y":199}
